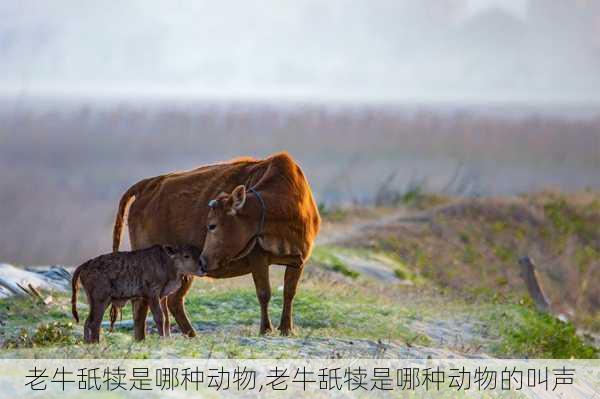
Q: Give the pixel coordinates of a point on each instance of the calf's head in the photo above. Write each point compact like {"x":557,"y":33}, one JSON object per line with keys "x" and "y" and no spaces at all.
{"x":185,"y":258}
{"x":232,"y":225}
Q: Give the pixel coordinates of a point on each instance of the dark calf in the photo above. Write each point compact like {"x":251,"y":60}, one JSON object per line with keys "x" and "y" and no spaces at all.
{"x":151,"y":274}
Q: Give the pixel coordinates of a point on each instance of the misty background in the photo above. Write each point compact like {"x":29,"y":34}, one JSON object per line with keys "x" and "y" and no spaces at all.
{"x":385,"y":50}
{"x":462,"y":97}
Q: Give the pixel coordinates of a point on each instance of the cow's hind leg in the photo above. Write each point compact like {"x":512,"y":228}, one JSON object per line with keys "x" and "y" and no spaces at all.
{"x":87,"y":331}
{"x":260,"y":274}
{"x":140,"y":312}
{"x":175,"y":302}
{"x":292,"y":277}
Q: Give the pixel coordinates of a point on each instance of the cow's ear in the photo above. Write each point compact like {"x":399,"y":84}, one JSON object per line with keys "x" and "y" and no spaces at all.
{"x":169,"y":250}
{"x":238,"y":198}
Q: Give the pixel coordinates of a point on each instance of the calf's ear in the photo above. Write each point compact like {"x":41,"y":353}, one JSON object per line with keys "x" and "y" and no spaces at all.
{"x":169,"y":250}
{"x":238,"y":199}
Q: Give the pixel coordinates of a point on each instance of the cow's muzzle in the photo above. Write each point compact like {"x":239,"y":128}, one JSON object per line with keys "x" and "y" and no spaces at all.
{"x":207,"y":265}
{"x":203,"y":264}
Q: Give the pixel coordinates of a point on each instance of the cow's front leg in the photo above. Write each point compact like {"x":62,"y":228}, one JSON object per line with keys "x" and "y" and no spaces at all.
{"x":260,"y":274}
{"x":175,"y":303}
{"x":165,"y":309}
{"x":292,"y":277}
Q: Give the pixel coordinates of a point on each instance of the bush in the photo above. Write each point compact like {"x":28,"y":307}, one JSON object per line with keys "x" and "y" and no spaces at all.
{"x":534,"y":334}
{"x":55,"y":333}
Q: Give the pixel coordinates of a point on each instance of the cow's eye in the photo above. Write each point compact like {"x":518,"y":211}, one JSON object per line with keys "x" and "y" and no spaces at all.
{"x":212,"y":227}
{"x":186,"y":256}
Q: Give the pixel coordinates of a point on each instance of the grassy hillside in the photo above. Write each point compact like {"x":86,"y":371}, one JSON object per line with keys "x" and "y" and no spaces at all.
{"x":430,"y":277}
{"x":473,"y":246}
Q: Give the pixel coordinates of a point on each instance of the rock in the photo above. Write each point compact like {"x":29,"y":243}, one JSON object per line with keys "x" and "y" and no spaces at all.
{"x":41,"y":278}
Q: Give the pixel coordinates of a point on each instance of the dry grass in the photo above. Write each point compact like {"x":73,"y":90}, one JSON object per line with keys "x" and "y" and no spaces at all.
{"x":64,"y":167}
{"x":473,"y":245}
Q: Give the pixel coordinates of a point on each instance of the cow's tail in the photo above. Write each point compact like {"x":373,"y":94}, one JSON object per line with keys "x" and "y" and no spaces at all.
{"x":124,"y":204}
{"x":74,"y":289}
{"x":126,"y":201}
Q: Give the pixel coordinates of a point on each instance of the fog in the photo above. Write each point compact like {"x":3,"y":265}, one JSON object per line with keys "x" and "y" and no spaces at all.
{"x":473,"y":51}
{"x":458,"y":97}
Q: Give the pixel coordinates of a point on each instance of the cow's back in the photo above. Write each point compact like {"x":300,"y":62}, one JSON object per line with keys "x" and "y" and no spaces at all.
{"x":173,"y":208}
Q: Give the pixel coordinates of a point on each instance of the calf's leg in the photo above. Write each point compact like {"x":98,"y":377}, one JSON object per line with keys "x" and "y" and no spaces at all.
{"x":260,"y":275}
{"x":292,"y":277}
{"x":176,"y":306}
{"x":94,"y":320}
{"x":140,"y":311}
{"x":157,"y":313}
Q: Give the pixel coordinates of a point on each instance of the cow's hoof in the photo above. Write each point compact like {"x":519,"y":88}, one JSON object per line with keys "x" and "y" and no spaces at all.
{"x":191,"y":333}
{"x":286,"y":331}
{"x":140,"y":337}
{"x":265,"y":331}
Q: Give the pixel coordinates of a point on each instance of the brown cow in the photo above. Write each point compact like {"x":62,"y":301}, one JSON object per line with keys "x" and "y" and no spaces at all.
{"x":262,"y":212}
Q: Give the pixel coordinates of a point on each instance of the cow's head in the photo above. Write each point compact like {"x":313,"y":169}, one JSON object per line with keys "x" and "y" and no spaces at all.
{"x":232,"y":225}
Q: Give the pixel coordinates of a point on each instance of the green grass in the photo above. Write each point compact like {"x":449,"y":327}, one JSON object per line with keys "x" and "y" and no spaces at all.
{"x":504,"y":253}
{"x":557,"y":210}
{"x":226,"y":320}
{"x":326,"y":256}
{"x":226,"y":317}
{"x":570,"y":220}
{"x":333,"y":214}
{"x":227,"y":323}
{"x":401,"y":269}
{"x":331,"y":257}
{"x":319,"y":314}
{"x":525,"y":332}
{"x":417,"y":197}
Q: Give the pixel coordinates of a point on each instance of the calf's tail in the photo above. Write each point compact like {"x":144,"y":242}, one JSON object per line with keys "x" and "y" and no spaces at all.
{"x":74,"y":289}
{"x":115,"y":313}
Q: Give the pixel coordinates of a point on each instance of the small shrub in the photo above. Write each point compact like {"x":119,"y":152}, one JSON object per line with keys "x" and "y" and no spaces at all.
{"x":585,"y":256}
{"x":499,"y":226}
{"x":504,"y":253}
{"x":469,"y":254}
{"x":401,"y":274}
{"x":416,"y":197}
{"x":413,"y":195}
{"x":47,"y":334}
{"x":566,"y":220}
{"x":502,"y":281}
{"x":534,"y":334}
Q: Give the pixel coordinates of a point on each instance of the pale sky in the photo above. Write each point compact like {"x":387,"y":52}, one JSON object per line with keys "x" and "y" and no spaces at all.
{"x":516,"y":7}
{"x":339,"y":50}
